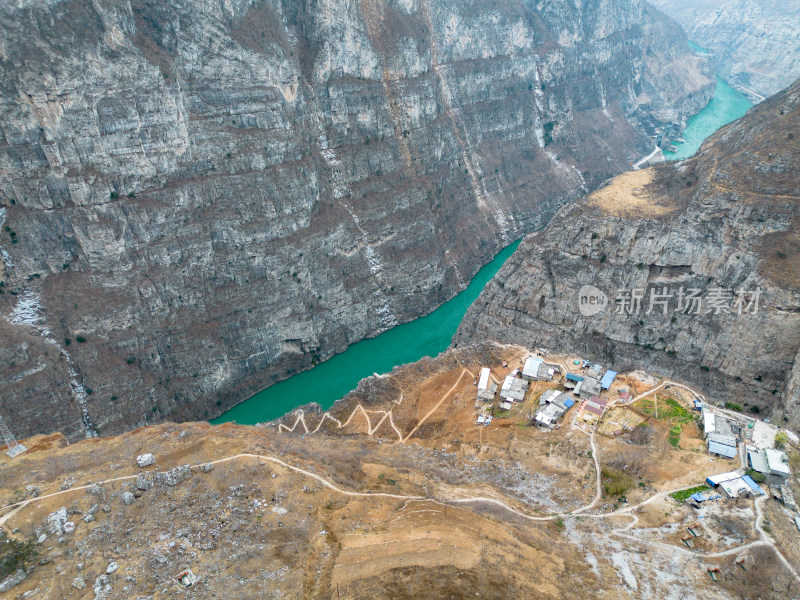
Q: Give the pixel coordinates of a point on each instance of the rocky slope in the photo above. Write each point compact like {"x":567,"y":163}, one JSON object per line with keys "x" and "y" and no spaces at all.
{"x":201,"y":198}
{"x":452,"y":511}
{"x":725,"y":220}
{"x":754,"y":43}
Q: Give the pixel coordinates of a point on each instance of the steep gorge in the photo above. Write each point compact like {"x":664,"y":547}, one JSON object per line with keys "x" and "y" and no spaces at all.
{"x":721,"y":223}
{"x":202,"y":198}
{"x":753,"y":43}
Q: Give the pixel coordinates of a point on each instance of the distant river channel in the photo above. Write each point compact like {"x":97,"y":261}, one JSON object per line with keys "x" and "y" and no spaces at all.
{"x":431,"y":334}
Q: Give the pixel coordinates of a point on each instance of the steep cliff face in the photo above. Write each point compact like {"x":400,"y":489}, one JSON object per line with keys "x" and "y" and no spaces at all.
{"x":754,"y":43}
{"x":201,"y":198}
{"x":721,"y":223}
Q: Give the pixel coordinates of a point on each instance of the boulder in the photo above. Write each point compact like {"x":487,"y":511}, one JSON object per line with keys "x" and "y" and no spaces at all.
{"x":78,"y":583}
{"x":98,"y":490}
{"x":145,"y":460}
{"x":174,"y":476}
{"x":32,"y":491}
{"x":88,"y":518}
{"x":112,"y":567}
{"x":42,"y":539}
{"x":56,"y":520}
{"x":207,"y":468}
{"x":128,"y":498}
{"x":102,"y":587}
{"x":69,"y":527}
{"x":14,"y":579}
{"x":144,"y":481}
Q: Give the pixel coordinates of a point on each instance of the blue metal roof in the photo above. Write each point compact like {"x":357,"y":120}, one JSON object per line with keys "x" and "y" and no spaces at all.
{"x":722,"y":450}
{"x":569,"y":403}
{"x":608,"y":379}
{"x":698,"y":404}
{"x":572,"y":377}
{"x":753,"y":485}
{"x":698,"y":497}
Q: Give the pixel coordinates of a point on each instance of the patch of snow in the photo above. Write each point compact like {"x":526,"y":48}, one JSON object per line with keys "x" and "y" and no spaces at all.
{"x":5,"y":255}
{"x":28,"y":311}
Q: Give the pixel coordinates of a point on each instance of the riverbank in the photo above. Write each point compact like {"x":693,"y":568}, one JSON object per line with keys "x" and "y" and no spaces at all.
{"x":327,"y":382}
{"x":726,"y":106}
{"x":432,"y":334}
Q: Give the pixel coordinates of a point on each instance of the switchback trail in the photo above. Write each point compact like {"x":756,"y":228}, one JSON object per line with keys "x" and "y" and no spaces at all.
{"x":444,"y":500}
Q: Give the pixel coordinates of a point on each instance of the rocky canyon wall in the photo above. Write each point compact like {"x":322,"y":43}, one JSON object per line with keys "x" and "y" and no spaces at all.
{"x":719,"y":228}
{"x":200,"y":198}
{"x":754,"y":43}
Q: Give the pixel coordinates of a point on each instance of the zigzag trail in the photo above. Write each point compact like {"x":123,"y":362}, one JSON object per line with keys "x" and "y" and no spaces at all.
{"x":371,"y":429}
{"x":765,"y":540}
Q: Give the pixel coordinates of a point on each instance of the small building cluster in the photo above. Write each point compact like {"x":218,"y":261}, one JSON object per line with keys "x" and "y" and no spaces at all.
{"x":552,"y":406}
{"x":592,"y":409}
{"x":514,"y":388}
{"x":587,"y":390}
{"x":593,"y":383}
{"x":720,"y":433}
{"x":733,"y":485}
{"x":769,"y":461}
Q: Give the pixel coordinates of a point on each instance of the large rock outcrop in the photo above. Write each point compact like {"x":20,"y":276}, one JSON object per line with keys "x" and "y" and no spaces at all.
{"x":754,"y":43}
{"x":201,"y":198}
{"x":723,"y":222}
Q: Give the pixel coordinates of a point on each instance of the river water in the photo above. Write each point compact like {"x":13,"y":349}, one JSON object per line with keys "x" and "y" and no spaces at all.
{"x":431,"y":334}
{"x":726,"y":106}
{"x":329,"y":381}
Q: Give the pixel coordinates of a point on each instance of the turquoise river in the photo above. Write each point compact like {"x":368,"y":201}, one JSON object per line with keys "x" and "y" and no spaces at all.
{"x":431,"y":334}
{"x":726,"y":106}
{"x":329,"y":381}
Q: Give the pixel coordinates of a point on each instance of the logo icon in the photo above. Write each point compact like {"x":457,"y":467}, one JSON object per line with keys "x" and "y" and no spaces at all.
{"x":591,"y":301}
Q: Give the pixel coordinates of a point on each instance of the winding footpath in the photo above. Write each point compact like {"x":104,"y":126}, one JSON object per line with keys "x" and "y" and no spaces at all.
{"x":638,"y":164}
{"x":627,"y":511}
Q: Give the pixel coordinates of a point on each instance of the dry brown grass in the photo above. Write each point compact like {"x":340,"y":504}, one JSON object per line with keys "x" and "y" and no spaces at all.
{"x":630,"y":196}
{"x":780,"y":257}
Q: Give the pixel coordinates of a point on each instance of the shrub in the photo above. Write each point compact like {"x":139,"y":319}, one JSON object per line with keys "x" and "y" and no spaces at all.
{"x":615,"y":481}
{"x":675,"y":435}
{"x":15,"y":555}
{"x":780,"y":440}
{"x":642,"y":434}
{"x":734,"y":406}
{"x":682,"y":495}
{"x":756,"y":476}
{"x":80,"y":339}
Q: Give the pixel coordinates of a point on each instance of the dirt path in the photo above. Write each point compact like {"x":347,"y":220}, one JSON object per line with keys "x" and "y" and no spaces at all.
{"x":371,"y":429}
{"x":621,"y":532}
{"x":438,"y":404}
{"x":645,"y":159}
